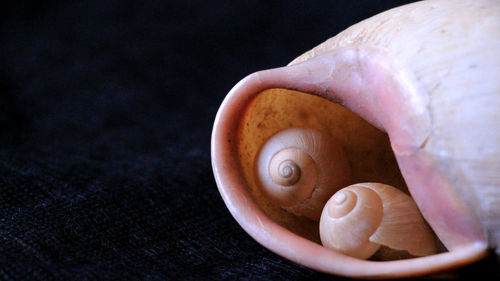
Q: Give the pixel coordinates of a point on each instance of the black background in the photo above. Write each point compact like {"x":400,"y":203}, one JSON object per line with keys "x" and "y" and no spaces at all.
{"x":106,"y":109}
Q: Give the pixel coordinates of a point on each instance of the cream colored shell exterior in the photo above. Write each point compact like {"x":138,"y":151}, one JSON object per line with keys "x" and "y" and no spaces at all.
{"x":456,"y":61}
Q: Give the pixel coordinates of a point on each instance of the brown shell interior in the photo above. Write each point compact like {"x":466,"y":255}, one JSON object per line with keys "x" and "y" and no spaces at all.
{"x":367,"y":148}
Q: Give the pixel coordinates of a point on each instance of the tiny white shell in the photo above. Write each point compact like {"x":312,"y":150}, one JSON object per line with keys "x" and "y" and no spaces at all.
{"x":361,"y":218}
{"x":299,"y":169}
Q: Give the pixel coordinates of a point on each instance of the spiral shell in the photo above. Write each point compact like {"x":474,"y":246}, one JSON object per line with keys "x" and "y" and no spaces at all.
{"x":361,"y":218}
{"x":299,"y":169}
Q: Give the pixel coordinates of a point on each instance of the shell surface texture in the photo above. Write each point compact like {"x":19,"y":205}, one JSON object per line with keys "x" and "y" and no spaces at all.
{"x":398,"y":117}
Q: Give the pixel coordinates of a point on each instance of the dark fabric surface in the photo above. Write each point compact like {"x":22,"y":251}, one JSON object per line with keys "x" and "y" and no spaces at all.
{"x":106,"y":110}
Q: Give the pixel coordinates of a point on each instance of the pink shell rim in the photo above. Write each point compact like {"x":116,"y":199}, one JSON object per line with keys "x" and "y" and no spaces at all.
{"x":254,"y":221}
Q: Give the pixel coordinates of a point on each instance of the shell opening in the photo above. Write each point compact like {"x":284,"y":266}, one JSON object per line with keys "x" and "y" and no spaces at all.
{"x":284,"y":195}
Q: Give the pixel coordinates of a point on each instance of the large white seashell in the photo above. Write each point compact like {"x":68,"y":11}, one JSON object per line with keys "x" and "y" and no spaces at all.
{"x":427,"y":74}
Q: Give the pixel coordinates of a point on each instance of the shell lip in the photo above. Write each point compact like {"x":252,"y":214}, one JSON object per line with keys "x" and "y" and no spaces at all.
{"x":257,"y":224}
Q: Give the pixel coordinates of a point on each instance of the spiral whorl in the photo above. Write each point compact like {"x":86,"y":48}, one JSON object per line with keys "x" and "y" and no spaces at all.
{"x":299,"y":169}
{"x":350,"y":218}
{"x":342,"y":203}
{"x":361,"y":218}
{"x":286,"y":166}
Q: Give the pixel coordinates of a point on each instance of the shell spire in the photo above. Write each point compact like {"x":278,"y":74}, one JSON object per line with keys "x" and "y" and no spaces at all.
{"x":299,"y":169}
{"x":361,"y":218}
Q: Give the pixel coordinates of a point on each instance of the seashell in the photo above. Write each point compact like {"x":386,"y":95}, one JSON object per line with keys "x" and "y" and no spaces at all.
{"x":300,"y":169}
{"x":361,"y":218}
{"x":412,"y":96}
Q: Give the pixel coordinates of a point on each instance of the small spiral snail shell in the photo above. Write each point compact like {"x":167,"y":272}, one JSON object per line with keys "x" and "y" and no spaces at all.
{"x":299,"y":169}
{"x":359,"y":219}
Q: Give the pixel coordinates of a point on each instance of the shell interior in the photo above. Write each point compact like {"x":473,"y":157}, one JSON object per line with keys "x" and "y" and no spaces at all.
{"x":367,"y":148}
